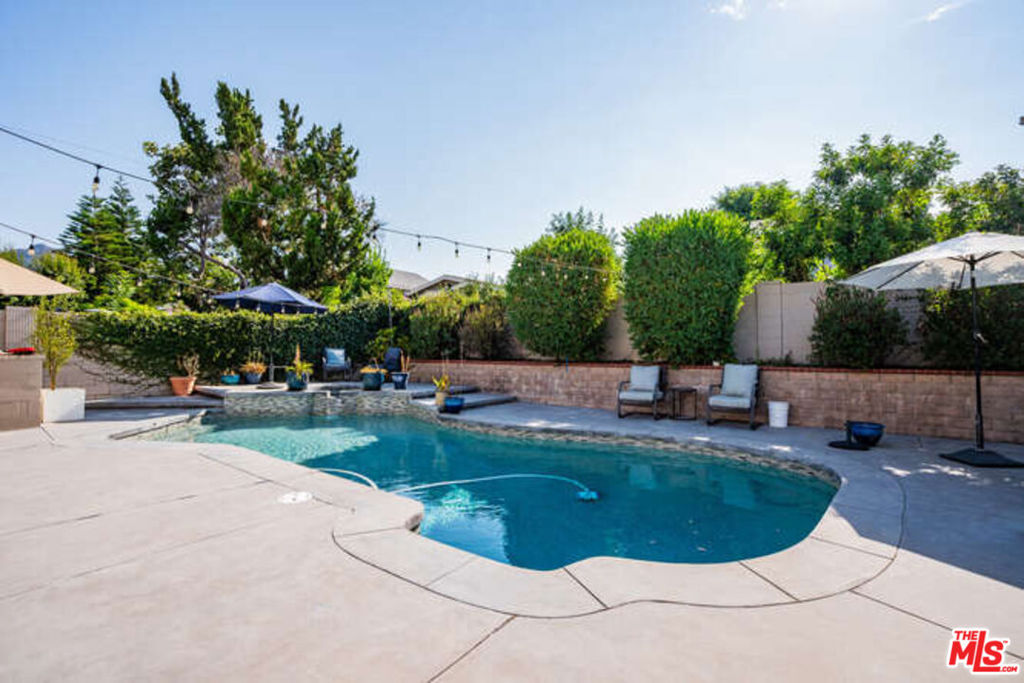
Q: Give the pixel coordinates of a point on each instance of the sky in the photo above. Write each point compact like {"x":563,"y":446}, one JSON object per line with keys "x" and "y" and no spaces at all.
{"x":478,"y":119}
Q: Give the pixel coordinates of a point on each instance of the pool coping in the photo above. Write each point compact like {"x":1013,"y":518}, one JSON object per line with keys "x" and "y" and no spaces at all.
{"x":379,"y":529}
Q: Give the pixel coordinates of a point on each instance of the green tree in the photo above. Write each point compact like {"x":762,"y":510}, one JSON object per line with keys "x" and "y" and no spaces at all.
{"x":992,"y":203}
{"x":54,"y":336}
{"x":854,"y":328}
{"x":581,"y":219}
{"x":561,"y":290}
{"x":686,"y":277}
{"x":284,"y":212}
{"x":872,"y":203}
{"x":738,"y":200}
{"x":103,"y":235}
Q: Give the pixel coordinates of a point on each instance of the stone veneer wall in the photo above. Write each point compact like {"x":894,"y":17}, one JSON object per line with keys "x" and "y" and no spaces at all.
{"x":922,"y":402}
{"x":281,"y":403}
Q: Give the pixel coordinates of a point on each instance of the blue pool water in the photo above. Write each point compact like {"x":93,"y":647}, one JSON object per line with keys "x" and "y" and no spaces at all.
{"x":653,"y":504}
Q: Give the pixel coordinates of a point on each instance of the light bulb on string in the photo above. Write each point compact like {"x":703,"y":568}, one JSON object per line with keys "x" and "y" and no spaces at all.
{"x":92,"y":267}
{"x":190,"y":209}
{"x":419,"y":243}
{"x":323,"y":219}
{"x":488,"y":255}
{"x":456,"y":250}
{"x":32,"y":246}
{"x":262,"y":221}
{"x":96,"y":181}
{"x":138,"y":281}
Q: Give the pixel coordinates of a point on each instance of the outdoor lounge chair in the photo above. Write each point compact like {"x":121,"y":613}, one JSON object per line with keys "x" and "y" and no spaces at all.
{"x":336,"y":360}
{"x":393,"y":359}
{"x":644,"y":388}
{"x":737,"y":392}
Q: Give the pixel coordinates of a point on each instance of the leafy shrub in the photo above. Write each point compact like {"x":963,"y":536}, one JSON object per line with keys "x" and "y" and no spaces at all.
{"x":147,"y":343}
{"x":561,"y":290}
{"x":686,"y":277}
{"x":946,"y":328}
{"x":485,"y":331}
{"x":54,"y":337}
{"x":854,"y":328}
{"x":434,"y":325}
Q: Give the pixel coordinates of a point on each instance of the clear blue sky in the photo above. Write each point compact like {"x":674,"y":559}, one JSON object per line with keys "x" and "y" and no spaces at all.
{"x":478,"y":119}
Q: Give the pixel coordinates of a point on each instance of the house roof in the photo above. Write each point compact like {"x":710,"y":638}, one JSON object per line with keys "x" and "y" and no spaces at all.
{"x":405,"y":280}
{"x":438,"y":282}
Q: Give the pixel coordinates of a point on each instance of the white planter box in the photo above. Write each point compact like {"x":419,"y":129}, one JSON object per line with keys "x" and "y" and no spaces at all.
{"x":63,"y":405}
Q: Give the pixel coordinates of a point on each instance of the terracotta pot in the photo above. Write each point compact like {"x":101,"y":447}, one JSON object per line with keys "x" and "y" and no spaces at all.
{"x":439,"y":397}
{"x":182,"y":386}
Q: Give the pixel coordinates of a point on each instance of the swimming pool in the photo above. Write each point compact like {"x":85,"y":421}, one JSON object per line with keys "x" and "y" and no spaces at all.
{"x":653,"y":504}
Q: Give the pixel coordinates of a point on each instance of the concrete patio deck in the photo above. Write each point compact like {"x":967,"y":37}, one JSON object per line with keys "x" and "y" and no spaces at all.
{"x":129,"y":559}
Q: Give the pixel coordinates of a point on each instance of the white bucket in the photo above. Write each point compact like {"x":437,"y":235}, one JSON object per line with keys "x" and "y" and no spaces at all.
{"x":778,"y":413}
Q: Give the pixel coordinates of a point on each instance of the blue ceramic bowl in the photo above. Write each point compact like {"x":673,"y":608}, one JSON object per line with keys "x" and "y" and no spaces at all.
{"x":230,"y":379}
{"x":453,"y":404}
{"x":867,"y":433}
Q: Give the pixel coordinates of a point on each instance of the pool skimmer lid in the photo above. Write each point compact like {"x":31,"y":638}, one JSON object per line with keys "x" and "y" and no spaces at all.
{"x":293,"y":497}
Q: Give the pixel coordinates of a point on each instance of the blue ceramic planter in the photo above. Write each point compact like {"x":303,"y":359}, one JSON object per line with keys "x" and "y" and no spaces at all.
{"x":866,"y":433}
{"x":253,"y":377}
{"x":453,"y":404}
{"x":400,"y":379}
{"x":297,"y":382}
{"x":372,"y":381}
{"x":230,"y":379}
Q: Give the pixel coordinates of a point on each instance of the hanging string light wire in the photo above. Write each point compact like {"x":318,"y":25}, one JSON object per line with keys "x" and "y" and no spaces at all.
{"x":140,"y":273}
{"x":262,"y":205}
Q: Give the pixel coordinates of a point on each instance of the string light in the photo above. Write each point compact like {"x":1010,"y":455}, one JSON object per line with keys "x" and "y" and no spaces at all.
{"x":138,"y":281}
{"x":488,"y":254}
{"x":190,"y":209}
{"x":262,"y":221}
{"x":419,"y":237}
{"x":92,"y":268}
{"x":456,"y":250}
{"x":32,"y":246}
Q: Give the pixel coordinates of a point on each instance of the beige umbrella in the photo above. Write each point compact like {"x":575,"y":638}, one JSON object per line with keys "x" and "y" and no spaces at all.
{"x":18,"y":281}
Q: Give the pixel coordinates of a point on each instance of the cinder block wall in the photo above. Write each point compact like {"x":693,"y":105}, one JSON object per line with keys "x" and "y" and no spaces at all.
{"x":922,"y":402}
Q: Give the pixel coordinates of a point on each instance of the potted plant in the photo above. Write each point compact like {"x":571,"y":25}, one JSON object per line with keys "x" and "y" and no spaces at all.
{"x":54,"y":337}
{"x":189,"y":366}
{"x":229,"y":376}
{"x":298,"y":372}
{"x":440,"y":389}
{"x":401,"y":378}
{"x":373,"y":377}
{"x":253,"y":370}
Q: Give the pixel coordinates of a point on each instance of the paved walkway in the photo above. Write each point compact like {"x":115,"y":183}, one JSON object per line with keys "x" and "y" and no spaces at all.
{"x":128,"y":560}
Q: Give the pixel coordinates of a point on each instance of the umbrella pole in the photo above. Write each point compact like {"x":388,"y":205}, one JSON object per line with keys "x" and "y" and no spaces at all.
{"x":978,"y":456}
{"x":979,"y":420}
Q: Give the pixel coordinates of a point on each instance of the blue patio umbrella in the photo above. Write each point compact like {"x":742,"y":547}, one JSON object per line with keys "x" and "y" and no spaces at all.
{"x":269,"y":298}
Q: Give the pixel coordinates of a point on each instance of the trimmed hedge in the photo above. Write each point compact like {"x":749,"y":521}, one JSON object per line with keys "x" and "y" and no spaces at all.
{"x":686,"y":277}
{"x":946,"y":328}
{"x":149,"y":343}
{"x":561,"y":290}
{"x":854,"y":328}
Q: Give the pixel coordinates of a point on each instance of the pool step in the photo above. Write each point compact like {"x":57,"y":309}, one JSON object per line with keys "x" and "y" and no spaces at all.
{"x":427,"y":390}
{"x":153,"y":402}
{"x":476,"y":399}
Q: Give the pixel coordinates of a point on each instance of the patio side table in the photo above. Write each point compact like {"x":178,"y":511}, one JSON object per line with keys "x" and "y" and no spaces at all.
{"x":677,"y":396}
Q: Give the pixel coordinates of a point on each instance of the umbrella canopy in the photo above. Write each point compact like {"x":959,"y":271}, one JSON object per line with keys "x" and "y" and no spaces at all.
{"x":270,"y":298}
{"x":975,"y":259}
{"x":18,"y":281}
{"x":998,"y":260}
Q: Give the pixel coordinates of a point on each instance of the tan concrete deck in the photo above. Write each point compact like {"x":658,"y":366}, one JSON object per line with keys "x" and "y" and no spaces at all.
{"x":128,"y":560}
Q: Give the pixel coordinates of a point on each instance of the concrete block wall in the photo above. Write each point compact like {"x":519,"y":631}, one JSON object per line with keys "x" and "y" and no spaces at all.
{"x":921,"y":402}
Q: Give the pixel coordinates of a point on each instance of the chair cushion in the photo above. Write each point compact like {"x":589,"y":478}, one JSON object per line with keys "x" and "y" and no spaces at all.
{"x":729,"y":402}
{"x":644,"y":377}
{"x":639,"y":396}
{"x":739,"y":380}
{"x":335,"y":356}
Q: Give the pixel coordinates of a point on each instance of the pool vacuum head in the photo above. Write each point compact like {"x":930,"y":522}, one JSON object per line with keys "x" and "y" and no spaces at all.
{"x":587,"y":496}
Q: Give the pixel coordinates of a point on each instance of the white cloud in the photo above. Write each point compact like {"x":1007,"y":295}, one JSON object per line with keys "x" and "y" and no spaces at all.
{"x":734,"y":9}
{"x":943,"y":10}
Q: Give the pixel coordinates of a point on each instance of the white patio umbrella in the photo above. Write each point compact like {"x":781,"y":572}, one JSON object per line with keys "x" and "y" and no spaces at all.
{"x":980,"y":259}
{"x":18,"y":281}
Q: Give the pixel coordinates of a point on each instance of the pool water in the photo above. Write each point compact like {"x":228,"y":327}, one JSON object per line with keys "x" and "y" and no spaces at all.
{"x":653,"y":504}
